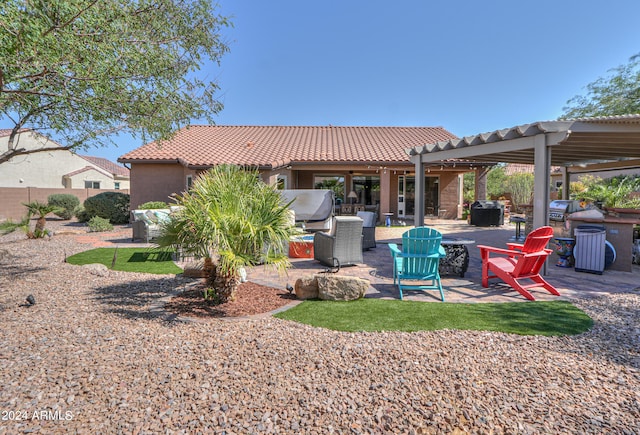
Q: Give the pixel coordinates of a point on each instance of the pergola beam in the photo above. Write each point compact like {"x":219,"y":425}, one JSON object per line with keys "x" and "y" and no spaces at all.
{"x":576,"y":145}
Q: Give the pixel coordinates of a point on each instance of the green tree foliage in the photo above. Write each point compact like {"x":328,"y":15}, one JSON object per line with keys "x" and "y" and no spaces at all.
{"x":617,"y":94}
{"x":231,"y":217}
{"x":520,"y":186}
{"x":496,"y":182}
{"x":614,"y":192}
{"x":469,"y":187}
{"x":82,"y":70}
{"x":334,"y":184}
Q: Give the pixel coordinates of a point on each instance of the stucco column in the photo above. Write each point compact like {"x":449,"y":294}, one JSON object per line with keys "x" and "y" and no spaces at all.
{"x":418,"y":219}
{"x":566,"y":181}
{"x":541,"y":174}
{"x":270,"y":178}
{"x":542,"y":162}
{"x":460,"y":196}
{"x":385,"y":194}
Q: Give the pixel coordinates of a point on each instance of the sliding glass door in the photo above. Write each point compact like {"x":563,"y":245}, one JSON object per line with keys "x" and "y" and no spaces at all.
{"x":407,"y":196}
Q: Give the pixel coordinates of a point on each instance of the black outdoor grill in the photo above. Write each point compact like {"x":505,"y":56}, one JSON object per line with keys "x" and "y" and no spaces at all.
{"x":487,"y":213}
{"x":560,"y":208}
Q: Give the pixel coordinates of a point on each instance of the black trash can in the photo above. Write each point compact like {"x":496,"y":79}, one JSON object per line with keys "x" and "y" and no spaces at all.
{"x":487,"y":213}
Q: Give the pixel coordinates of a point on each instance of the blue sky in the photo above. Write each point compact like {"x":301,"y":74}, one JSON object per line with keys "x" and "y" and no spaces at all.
{"x":469,"y":66}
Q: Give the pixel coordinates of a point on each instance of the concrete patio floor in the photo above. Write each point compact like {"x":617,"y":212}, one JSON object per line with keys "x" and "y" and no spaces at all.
{"x":377,"y":268}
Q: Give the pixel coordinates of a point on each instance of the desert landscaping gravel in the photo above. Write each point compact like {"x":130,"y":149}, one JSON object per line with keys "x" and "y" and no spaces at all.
{"x":94,"y":355}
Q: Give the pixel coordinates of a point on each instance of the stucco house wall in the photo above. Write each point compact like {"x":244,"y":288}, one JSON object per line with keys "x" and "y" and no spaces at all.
{"x":44,"y":169}
{"x":51,"y":169}
{"x":156,"y":182}
{"x":450,"y":196}
{"x":77,"y":179}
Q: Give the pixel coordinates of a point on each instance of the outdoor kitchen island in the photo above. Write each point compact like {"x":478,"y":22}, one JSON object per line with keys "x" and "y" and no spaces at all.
{"x":619,"y":232}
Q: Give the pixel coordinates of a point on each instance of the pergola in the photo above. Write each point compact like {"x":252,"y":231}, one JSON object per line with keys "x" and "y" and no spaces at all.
{"x":579,"y":145}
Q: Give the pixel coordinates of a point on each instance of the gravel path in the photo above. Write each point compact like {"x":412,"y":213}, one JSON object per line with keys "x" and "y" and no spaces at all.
{"x":91,"y":356}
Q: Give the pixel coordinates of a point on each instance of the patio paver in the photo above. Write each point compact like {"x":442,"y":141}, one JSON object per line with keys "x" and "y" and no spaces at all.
{"x":377,"y":268}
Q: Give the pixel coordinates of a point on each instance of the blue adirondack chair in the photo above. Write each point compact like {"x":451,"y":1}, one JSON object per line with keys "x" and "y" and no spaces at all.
{"x":418,"y":260}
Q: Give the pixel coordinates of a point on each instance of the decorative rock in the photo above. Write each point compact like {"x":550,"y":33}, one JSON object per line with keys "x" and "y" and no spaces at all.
{"x":97,"y":269}
{"x":341,"y":288}
{"x":306,"y":287}
{"x":69,"y":232}
{"x":269,"y":376}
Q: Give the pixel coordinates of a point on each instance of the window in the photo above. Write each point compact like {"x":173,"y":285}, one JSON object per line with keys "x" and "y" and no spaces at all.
{"x":367,"y":188}
{"x":91,"y":184}
{"x":116,"y":185}
{"x":189,"y":181}
{"x":331,"y":182}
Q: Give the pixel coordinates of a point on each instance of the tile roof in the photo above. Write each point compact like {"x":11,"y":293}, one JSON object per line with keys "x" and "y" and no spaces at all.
{"x":518,"y":168}
{"x":274,"y":146}
{"x":7,"y":131}
{"x":108,"y":165}
{"x":85,"y":169}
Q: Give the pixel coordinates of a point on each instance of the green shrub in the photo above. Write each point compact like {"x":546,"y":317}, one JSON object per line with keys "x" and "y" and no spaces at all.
{"x":81,"y":214}
{"x":98,"y":224}
{"x":153,"y":205}
{"x":113,"y":206}
{"x":66,"y":202}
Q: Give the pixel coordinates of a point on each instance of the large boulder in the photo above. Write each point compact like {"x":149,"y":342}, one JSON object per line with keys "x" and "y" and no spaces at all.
{"x":341,"y":288}
{"x":97,"y":269}
{"x":306,"y":287}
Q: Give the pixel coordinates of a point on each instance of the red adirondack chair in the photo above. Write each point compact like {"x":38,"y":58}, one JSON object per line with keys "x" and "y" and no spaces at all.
{"x":521,"y":261}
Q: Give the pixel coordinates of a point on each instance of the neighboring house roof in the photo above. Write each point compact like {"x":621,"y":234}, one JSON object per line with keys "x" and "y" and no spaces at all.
{"x":519,"y":168}
{"x":276,"y":146}
{"x":108,"y":165}
{"x":7,"y":131}
{"x":85,"y":169}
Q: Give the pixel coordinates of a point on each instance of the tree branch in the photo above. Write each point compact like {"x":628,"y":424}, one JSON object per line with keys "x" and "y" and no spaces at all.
{"x":73,"y":18}
{"x":8,"y":155}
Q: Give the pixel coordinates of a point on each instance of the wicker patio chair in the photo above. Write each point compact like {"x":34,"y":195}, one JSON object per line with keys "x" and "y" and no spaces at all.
{"x":368,"y":229}
{"x":343,"y":245}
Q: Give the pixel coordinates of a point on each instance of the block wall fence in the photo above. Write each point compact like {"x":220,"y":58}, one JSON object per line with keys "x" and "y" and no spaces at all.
{"x":12,"y":198}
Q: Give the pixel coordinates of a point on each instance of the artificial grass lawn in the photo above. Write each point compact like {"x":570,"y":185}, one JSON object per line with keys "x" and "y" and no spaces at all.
{"x":145,"y":260}
{"x":524,"y":318}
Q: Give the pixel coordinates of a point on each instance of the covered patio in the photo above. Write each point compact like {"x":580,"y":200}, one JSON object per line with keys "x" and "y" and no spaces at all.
{"x":578,"y":146}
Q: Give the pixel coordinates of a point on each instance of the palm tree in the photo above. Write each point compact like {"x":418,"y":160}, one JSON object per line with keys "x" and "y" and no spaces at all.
{"x":41,"y":210}
{"x":234,"y":219}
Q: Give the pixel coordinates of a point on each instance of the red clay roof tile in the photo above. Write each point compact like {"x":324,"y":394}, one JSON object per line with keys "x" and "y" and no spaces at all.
{"x":108,"y":165}
{"x":273,"y":146}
